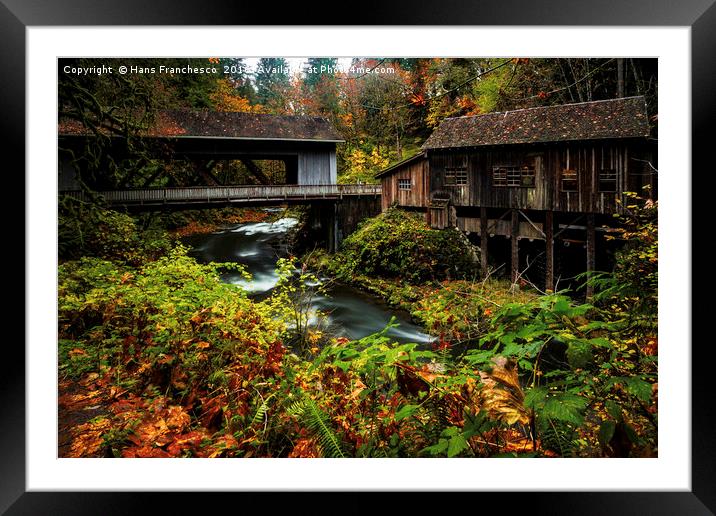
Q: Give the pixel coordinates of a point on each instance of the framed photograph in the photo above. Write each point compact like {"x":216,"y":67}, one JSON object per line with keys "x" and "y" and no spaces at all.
{"x":209,"y":309}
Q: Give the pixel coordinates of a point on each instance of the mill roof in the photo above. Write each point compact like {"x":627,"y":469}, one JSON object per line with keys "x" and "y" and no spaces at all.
{"x":616,"y":118}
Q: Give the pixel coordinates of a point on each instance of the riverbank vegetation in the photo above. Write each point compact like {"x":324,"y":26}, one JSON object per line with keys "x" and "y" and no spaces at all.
{"x":171,"y":362}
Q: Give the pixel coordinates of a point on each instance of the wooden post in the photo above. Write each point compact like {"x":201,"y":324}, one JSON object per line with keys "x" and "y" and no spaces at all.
{"x":515,"y":245}
{"x":336,"y":227}
{"x":590,"y":251}
{"x":549,"y":243}
{"x":484,"y":236}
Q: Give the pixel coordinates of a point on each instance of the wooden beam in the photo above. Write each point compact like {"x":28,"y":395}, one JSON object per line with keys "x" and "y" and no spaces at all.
{"x":484,"y":237}
{"x":532,"y":224}
{"x":515,"y":245}
{"x":256,"y":171}
{"x":204,"y":169}
{"x":549,"y":250}
{"x":590,"y":251}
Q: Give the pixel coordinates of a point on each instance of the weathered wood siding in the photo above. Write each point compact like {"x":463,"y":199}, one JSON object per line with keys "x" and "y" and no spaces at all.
{"x":317,"y":168}
{"x":628,"y":159}
{"x":417,"y":173}
{"x":438,"y":217}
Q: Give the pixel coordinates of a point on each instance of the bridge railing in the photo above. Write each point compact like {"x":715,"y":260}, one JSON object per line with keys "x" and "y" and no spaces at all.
{"x":230,"y":193}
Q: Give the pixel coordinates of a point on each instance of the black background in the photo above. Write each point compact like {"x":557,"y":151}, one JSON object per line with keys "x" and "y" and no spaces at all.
{"x":16,"y":15}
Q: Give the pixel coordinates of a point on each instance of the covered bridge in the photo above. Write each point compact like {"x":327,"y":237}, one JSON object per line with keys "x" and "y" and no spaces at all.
{"x":306,"y":145}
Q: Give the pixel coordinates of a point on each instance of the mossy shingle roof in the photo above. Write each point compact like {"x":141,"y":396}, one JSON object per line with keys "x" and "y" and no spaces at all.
{"x":224,"y":124}
{"x":617,"y":118}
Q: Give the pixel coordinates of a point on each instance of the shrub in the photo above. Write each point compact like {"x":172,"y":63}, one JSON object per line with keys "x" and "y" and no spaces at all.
{"x":88,"y":230}
{"x":400,"y":244}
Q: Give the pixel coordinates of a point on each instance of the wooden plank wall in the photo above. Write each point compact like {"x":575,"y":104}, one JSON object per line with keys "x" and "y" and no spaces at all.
{"x":587,"y":158}
{"x":417,"y":196}
{"x":316,"y":168}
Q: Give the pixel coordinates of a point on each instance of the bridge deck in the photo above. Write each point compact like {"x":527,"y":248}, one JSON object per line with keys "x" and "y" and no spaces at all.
{"x":229,"y":194}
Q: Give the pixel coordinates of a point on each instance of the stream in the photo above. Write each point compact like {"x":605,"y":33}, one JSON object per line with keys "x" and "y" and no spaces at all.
{"x":350,"y":312}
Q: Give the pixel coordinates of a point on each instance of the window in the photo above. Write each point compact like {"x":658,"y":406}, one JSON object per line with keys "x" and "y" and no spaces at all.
{"x":404,"y":184}
{"x":608,"y":180}
{"x":569,"y":180}
{"x":455,"y":176}
{"x":509,"y":175}
{"x":499,"y":177}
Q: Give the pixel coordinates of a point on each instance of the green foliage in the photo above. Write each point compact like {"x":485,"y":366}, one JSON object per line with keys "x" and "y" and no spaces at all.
{"x":368,"y":398}
{"x":585,"y":364}
{"x":400,"y":244}
{"x":89,"y":230}
{"x":361,"y":163}
{"x":460,"y":311}
{"x":319,"y":425}
{"x":291,"y":302}
{"x":635,"y":280}
{"x":272,"y":84}
{"x":157,"y":306}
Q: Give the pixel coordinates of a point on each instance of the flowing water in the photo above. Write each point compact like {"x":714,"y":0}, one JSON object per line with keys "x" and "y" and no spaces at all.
{"x":349,"y":312}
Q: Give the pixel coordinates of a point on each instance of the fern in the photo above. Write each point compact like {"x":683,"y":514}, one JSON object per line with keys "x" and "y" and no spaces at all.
{"x":318,"y":424}
{"x":262,"y":411}
{"x":559,"y":437}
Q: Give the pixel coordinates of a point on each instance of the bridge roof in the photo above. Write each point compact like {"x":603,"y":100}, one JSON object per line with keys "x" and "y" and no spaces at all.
{"x":229,"y":124}
{"x":616,"y":118}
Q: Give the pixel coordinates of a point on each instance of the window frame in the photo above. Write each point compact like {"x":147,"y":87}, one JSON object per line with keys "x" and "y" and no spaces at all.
{"x":458,"y":174}
{"x":402,"y":182}
{"x":574,"y":180}
{"x":612,"y":178}
{"x":513,"y":176}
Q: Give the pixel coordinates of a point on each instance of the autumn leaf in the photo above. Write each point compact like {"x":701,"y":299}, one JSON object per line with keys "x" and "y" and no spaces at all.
{"x":87,"y":438}
{"x":501,"y":394}
{"x":305,"y":448}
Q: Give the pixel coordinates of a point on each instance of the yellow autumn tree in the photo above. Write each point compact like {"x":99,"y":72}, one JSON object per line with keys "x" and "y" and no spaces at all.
{"x":225,"y":98}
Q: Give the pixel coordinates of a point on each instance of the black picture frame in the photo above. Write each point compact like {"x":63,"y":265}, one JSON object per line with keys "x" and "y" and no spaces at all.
{"x":17,"y":15}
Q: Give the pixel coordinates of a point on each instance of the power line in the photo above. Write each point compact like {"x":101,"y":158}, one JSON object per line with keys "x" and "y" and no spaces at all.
{"x":545,"y":93}
{"x":366,"y":72}
{"x":475,"y":77}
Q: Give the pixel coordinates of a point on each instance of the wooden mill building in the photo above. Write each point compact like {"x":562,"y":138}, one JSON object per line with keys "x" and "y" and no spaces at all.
{"x":306,"y":145}
{"x":530,"y":173}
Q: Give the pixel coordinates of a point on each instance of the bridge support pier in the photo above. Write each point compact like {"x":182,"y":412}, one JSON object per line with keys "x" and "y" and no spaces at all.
{"x":322,"y":226}
{"x":330,"y":222}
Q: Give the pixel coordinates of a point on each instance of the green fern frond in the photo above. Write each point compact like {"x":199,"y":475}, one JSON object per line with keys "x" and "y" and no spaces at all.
{"x":558,"y":437}
{"x":318,"y":423}
{"x":261,"y":412}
